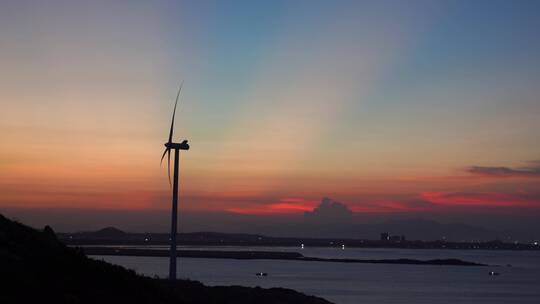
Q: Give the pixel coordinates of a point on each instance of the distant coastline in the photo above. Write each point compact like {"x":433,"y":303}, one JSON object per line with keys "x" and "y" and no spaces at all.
{"x":113,"y":236}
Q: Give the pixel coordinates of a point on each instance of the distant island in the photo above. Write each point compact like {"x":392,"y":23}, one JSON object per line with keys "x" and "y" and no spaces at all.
{"x":37,"y":268}
{"x":267,"y":255}
{"x":114,"y":236}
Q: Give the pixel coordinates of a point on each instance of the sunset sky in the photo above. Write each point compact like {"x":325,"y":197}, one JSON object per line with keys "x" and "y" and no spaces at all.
{"x":386,"y":106}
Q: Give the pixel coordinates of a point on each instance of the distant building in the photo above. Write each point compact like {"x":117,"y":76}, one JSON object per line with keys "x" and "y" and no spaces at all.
{"x":385,"y":236}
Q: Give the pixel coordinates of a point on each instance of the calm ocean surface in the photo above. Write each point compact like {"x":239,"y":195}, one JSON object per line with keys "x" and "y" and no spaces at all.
{"x":344,"y":283}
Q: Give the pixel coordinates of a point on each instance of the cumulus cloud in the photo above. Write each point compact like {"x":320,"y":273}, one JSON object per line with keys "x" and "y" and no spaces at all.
{"x":329,"y":210}
{"x":532,"y":170}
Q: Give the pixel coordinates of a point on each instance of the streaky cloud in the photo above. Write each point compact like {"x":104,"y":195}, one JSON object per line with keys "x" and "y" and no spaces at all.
{"x":486,"y":199}
{"x":532,"y":170}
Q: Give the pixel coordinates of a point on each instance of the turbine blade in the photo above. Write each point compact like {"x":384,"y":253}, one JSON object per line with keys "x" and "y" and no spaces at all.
{"x":174,"y":111}
{"x":169,"y":167}
{"x":163,"y":156}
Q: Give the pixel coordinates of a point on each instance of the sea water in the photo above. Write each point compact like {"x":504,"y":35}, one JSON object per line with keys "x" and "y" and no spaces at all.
{"x":344,"y":283}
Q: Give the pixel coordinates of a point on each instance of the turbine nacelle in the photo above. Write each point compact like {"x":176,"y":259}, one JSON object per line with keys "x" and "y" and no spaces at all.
{"x":181,"y":146}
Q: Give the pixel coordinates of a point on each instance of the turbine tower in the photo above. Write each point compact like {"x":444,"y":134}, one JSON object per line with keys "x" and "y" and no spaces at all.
{"x":170,"y":145}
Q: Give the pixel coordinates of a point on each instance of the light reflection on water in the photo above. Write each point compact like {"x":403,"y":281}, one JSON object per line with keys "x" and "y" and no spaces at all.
{"x":367,"y":283}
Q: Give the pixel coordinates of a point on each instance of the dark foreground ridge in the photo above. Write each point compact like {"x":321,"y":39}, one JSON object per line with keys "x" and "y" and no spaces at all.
{"x":266,"y":255}
{"x":37,"y":268}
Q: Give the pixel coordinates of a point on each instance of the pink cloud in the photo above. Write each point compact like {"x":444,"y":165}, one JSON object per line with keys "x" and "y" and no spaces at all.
{"x":481,"y":199}
{"x":285,"y":206}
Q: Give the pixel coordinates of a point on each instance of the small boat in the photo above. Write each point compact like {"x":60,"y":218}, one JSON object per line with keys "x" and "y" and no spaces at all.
{"x":261,"y":274}
{"x":493,"y":273}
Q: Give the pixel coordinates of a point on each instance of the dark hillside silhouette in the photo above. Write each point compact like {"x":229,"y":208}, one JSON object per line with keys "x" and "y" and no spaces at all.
{"x":37,"y":267}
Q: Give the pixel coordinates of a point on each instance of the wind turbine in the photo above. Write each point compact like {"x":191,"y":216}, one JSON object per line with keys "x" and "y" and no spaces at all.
{"x":170,"y":145}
